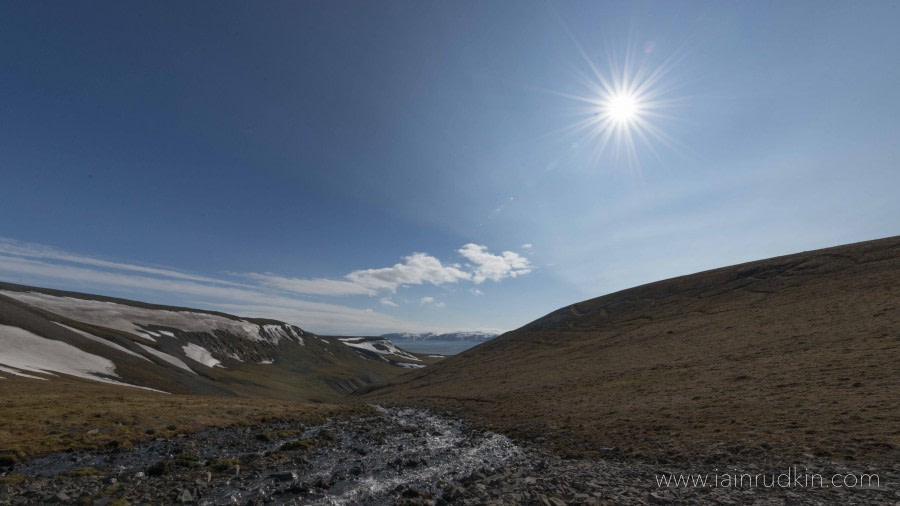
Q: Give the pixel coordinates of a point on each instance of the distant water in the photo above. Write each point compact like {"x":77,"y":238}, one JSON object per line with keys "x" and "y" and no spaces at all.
{"x":433,"y":346}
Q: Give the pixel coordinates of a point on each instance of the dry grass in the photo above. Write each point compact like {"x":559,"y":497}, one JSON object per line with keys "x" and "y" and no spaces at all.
{"x":786,"y":356}
{"x":37,"y":417}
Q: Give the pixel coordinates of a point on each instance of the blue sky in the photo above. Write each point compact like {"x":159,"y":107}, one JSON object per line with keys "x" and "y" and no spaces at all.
{"x":363,"y":167}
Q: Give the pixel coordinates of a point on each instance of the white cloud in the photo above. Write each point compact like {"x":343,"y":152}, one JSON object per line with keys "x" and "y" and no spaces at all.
{"x":431,"y":302}
{"x":494,"y":267}
{"x":21,"y":249}
{"x":527,"y":245}
{"x":316,"y":317}
{"x":320,"y":286}
{"x":416,"y":269}
{"x":267,"y":294}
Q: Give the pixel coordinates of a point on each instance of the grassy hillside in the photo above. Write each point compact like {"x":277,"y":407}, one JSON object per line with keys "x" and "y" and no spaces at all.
{"x":37,"y":417}
{"x":790,"y":355}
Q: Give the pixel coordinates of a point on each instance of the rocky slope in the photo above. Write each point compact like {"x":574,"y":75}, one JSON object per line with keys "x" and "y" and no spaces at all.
{"x":775,"y":359}
{"x":175,"y":350}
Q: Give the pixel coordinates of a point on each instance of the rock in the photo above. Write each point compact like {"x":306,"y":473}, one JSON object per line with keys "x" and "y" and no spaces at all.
{"x":161,"y":468}
{"x":285,"y":475}
{"x":410,"y":493}
{"x":185,"y":497}
{"x":656,"y":498}
{"x":234,"y":470}
{"x":556,"y":501}
{"x":62,"y":497}
{"x":455,"y":492}
{"x":300,"y":489}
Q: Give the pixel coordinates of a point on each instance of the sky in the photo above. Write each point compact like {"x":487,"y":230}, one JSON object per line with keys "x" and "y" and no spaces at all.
{"x":370,"y":167}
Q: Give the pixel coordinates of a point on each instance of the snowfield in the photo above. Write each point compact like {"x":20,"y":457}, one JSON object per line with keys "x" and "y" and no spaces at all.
{"x":102,"y":341}
{"x":130,"y":318}
{"x":25,"y":351}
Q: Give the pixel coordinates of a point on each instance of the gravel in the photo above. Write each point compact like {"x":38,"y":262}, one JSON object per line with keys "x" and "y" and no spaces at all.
{"x":400,"y":456}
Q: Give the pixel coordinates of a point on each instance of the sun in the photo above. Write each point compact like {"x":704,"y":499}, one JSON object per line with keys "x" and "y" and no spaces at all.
{"x":622,"y":107}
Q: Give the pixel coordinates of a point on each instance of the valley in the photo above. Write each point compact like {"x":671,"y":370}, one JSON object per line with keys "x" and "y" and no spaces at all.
{"x":755,"y":368}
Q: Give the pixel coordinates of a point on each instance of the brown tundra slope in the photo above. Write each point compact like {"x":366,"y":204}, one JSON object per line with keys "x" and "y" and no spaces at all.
{"x":782,"y":357}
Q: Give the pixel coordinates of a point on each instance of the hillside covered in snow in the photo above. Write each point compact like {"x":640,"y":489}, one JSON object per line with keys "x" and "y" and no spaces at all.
{"x":49,"y":333}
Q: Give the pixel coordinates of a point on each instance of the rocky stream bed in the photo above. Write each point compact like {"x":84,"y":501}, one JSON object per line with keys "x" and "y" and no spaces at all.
{"x":399,"y":456}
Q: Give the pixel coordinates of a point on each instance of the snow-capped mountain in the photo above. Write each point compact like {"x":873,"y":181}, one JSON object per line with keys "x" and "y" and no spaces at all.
{"x":471,"y":336}
{"x":47,"y":334}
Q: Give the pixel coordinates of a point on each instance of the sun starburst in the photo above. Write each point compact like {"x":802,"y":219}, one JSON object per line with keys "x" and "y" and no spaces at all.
{"x":619,"y":111}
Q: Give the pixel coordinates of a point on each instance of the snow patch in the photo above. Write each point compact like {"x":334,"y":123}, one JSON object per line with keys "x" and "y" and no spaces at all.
{"x":267,"y":362}
{"x":408,"y":366}
{"x":31,"y":352}
{"x":16,"y":372}
{"x":166,"y":333}
{"x":168,"y":358}
{"x":278,"y":332}
{"x":380,"y":346}
{"x":130,"y":318}
{"x":143,"y":334}
{"x":200,"y":354}
{"x":102,"y":341}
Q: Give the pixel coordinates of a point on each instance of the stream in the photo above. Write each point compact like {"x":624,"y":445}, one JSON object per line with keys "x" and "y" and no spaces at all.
{"x":400,"y":452}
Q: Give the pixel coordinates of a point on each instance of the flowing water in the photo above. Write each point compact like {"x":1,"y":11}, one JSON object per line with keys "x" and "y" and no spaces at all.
{"x":366,"y":460}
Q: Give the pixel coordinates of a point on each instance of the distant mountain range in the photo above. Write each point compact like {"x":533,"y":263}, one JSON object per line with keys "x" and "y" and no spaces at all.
{"x":469,"y":336}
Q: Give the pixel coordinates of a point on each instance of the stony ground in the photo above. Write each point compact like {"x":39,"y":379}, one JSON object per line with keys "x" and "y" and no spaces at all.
{"x":399,"y":456}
